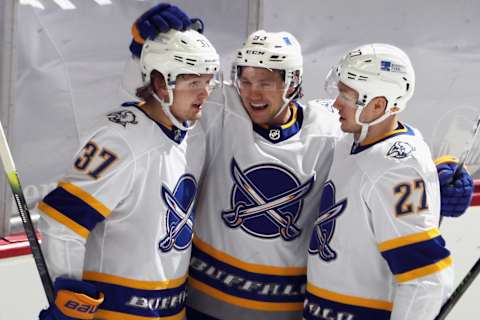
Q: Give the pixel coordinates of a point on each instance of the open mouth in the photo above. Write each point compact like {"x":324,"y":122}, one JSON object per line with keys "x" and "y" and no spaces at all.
{"x":197,"y":106}
{"x":258,"y":106}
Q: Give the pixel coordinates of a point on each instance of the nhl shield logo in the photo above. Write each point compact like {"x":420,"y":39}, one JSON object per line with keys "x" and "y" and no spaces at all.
{"x":180,"y":214}
{"x":274,"y":134}
{"x":177,"y":135}
{"x":324,"y":226}
{"x":123,"y":117}
{"x":400,"y":150}
{"x":266,"y":201}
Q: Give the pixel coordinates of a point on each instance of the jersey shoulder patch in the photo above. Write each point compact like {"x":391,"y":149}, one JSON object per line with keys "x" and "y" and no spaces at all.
{"x":400,"y":150}
{"x":123,"y":117}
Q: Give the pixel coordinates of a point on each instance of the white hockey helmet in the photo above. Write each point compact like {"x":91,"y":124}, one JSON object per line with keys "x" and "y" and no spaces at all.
{"x":174,"y":53}
{"x":273,"y":51}
{"x":375,"y":70}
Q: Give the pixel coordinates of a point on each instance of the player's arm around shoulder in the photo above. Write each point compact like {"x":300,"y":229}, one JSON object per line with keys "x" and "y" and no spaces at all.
{"x":324,"y":117}
{"x":405,"y":205}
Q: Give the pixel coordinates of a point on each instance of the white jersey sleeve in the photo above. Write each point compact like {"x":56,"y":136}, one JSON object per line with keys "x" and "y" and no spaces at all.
{"x":402,"y":205}
{"x":98,"y":180}
{"x":212,"y":123}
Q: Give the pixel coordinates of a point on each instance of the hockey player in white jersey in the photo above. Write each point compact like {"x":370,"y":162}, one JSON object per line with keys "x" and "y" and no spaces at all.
{"x":376,"y":252}
{"x":117,"y":230}
{"x":267,"y":159}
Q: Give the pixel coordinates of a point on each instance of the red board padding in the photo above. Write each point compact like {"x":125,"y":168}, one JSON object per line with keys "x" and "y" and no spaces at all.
{"x":476,"y":194}
{"x":15,"y":245}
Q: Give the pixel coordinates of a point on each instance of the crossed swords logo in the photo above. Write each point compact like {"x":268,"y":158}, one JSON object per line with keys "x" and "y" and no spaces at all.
{"x":321,"y":230}
{"x":185,"y":218}
{"x":260,"y":205}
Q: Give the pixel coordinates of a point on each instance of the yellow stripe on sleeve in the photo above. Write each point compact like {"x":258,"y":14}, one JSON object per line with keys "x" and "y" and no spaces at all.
{"x":424,"y":271}
{"x":137,"y":284}
{"x":86,"y":197}
{"x":350,"y":300}
{"x":410,"y":239}
{"x":245,"y":303}
{"x":250,"y":267}
{"x":69,"y":223}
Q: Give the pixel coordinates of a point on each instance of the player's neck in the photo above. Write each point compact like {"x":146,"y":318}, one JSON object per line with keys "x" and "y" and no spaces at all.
{"x":379,"y":130}
{"x":155,"y":111}
{"x":283,"y":117}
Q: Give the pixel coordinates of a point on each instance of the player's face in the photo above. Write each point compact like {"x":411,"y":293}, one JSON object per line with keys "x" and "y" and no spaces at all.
{"x":190,"y":92}
{"x":261,"y":91}
{"x":346,"y":105}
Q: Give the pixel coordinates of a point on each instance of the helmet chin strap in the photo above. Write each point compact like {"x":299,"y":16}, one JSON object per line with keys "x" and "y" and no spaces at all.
{"x":168,"y":112}
{"x":365,"y":126}
{"x":286,"y":101}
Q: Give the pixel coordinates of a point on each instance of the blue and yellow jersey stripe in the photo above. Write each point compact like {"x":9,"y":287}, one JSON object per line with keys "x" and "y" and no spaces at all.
{"x":75,"y":208}
{"x":237,"y":282}
{"x":416,"y":255}
{"x":369,"y":142}
{"x":318,"y":299}
{"x":133,"y":299}
{"x":285,"y":131}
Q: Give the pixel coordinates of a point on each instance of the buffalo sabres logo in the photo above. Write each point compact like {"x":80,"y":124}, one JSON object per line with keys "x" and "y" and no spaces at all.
{"x":400,"y":150}
{"x":274,"y":134}
{"x":180,"y":214}
{"x":324,"y":226}
{"x":266,"y":201}
{"x":123,"y":117}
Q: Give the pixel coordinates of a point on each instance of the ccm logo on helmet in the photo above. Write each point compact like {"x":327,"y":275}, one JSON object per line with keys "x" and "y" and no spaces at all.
{"x":255,"y":52}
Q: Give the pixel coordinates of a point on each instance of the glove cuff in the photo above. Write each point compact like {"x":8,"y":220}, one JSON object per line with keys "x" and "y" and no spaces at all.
{"x":137,"y":37}
{"x":77,"y":305}
{"x":76,"y":286}
{"x":448,"y":158}
{"x":135,"y":49}
{"x":76,"y":299}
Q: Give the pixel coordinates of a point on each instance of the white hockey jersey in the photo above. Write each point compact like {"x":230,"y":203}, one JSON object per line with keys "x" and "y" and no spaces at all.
{"x":375,"y":252}
{"x":256,"y":209}
{"x":130,"y":199}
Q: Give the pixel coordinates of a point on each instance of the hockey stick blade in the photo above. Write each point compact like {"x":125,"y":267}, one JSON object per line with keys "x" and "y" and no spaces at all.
{"x":14,"y":181}
{"x":475,"y":270}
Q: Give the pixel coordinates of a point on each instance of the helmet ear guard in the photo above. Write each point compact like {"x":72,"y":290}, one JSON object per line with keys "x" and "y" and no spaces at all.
{"x":174,"y":53}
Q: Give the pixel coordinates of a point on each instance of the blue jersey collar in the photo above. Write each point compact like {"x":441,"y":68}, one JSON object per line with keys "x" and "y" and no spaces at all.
{"x":173,"y":133}
{"x":276,"y":134}
{"x":400,"y":130}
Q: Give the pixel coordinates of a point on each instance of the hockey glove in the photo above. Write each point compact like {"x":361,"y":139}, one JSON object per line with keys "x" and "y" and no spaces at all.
{"x":456,"y":192}
{"x":160,"y":18}
{"x":73,"y":300}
